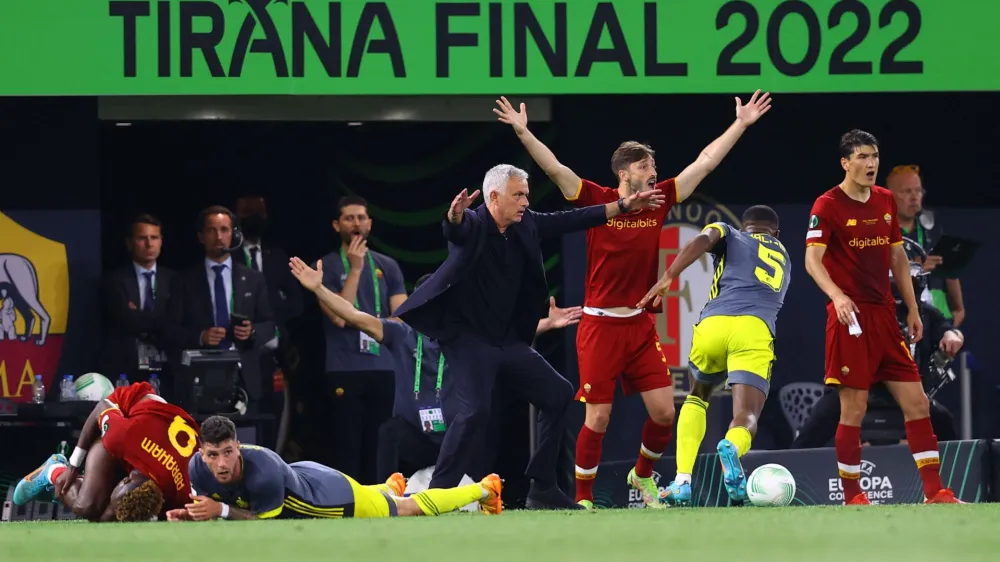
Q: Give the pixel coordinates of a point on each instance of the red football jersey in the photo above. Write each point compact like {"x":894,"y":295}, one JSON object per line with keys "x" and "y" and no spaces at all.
{"x":126,"y":397}
{"x":858,"y":238}
{"x":157,"y":439}
{"x":623,"y":255}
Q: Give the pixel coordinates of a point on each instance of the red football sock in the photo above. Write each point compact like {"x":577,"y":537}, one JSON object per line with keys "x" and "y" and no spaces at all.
{"x":54,"y":474}
{"x":654,"y":440}
{"x":848,"y":446}
{"x":924,"y":446}
{"x":588,"y":456}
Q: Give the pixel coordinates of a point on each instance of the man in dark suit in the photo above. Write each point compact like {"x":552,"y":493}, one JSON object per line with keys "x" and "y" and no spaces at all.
{"x":219,"y":288}
{"x":135,"y":300}
{"x":483,"y":304}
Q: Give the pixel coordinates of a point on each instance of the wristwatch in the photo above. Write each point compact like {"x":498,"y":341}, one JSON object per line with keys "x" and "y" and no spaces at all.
{"x":621,"y":205}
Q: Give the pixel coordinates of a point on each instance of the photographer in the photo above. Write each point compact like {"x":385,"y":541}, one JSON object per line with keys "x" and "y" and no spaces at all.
{"x":933,"y":355}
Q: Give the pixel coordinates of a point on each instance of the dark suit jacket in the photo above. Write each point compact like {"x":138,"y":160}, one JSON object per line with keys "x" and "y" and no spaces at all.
{"x":123,"y":325}
{"x":194,"y":314}
{"x":283,"y":291}
{"x":426,"y":308}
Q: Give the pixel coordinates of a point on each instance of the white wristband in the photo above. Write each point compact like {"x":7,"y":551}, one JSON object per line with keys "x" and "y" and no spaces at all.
{"x":225,"y":511}
{"x":76,"y":459}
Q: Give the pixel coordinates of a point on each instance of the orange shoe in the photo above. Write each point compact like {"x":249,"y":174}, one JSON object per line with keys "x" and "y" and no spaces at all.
{"x":396,"y":484}
{"x":860,"y":499}
{"x":944,"y":496}
{"x":492,"y":504}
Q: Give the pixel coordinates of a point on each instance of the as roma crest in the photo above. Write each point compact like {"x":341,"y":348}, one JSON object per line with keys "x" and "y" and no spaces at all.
{"x":34,"y":307}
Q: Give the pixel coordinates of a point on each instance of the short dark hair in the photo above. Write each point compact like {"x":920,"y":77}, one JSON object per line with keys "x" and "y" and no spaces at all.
{"x":214,"y":210}
{"x":348,"y":200}
{"x":855,"y":139}
{"x":761,"y":213}
{"x":217,"y":429}
{"x":420,"y":280}
{"x":141,"y":504}
{"x":628,"y":153}
{"x":144,"y":218}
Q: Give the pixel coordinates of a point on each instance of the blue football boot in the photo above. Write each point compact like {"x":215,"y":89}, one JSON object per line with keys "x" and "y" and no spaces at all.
{"x":35,"y":484}
{"x":732,"y":472}
{"x":677,"y":494}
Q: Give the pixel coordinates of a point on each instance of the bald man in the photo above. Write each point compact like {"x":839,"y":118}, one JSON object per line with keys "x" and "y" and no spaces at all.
{"x":919,"y":225}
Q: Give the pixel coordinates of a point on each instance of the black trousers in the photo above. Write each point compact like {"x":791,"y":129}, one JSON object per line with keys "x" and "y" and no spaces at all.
{"x":821,"y":427}
{"x":474,"y":369}
{"x":360,"y":402}
{"x":402,"y":447}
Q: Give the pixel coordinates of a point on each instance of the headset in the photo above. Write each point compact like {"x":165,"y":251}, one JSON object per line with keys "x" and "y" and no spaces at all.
{"x":237,"y":238}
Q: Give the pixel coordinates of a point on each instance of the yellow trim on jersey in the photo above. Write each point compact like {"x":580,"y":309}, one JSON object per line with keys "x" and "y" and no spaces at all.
{"x":721,"y":230}
{"x":104,"y":411}
{"x":820,"y":244}
{"x":271,"y":514}
{"x":576,"y":196}
{"x":309,"y":510}
{"x":714,"y":291}
{"x":900,"y":243}
{"x":831,"y":380}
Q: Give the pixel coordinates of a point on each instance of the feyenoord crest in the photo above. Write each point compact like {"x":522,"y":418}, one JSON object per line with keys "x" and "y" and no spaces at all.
{"x":689,"y":292}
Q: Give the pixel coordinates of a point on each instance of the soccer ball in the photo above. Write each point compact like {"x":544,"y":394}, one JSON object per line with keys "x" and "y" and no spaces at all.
{"x":771,"y":485}
{"x":93,"y":387}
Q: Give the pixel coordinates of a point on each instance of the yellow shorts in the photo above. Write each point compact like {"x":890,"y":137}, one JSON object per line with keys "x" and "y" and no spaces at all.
{"x":740,"y":347}
{"x":370,"y":502}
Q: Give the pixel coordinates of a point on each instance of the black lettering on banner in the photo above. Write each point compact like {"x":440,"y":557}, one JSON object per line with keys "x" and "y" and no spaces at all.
{"x":205,"y":42}
{"x":654,"y":67}
{"x":271,"y":43}
{"x":813,"y":32}
{"x":525,"y":22}
{"x":388,"y":45}
{"x":605,"y":18}
{"x":837,"y":63}
{"x":304,"y":27}
{"x":129,"y":12}
{"x":889,"y":64}
{"x":445,"y":39}
{"x":163,"y":39}
{"x":726,"y":66}
{"x":496,"y":40}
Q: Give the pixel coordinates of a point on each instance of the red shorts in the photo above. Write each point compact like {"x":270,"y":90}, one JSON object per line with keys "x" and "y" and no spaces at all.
{"x":609,"y":347}
{"x":879,"y":354}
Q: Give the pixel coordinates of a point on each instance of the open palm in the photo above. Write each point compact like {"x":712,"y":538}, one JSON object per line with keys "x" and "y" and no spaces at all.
{"x":507,"y":114}
{"x":311,"y":279}
{"x":754,"y":109}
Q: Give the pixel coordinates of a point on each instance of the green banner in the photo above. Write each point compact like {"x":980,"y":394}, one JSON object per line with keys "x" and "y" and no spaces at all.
{"x":136,"y":47}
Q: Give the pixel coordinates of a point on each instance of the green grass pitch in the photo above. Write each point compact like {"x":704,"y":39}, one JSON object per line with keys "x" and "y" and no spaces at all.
{"x":804,"y":534}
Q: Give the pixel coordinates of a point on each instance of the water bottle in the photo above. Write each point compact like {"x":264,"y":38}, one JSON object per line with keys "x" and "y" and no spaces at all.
{"x":38,"y":390}
{"x":154,"y":381}
{"x":67,"y":391}
{"x":122,"y":381}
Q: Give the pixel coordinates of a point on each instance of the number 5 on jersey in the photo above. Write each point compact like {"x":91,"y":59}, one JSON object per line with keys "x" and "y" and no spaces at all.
{"x":774,"y":260}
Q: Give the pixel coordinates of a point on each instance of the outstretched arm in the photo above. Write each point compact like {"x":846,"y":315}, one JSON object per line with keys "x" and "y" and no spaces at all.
{"x":558,"y":317}
{"x":563,"y":222}
{"x":567,"y":180}
{"x":312,"y":280}
{"x":712,"y":155}
{"x":693,"y":250}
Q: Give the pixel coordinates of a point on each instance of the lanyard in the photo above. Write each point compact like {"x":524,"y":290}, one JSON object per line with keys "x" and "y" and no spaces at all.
{"x":416,"y":376}
{"x":378,"y":290}
{"x":920,"y":234}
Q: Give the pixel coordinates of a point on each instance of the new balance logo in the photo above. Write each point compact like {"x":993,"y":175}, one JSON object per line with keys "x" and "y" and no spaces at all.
{"x":852,"y":222}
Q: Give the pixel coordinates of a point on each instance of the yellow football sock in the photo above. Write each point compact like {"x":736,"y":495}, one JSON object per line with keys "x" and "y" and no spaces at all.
{"x":444,"y":500}
{"x":740,"y":436}
{"x":690,"y":432}
{"x":381,"y":488}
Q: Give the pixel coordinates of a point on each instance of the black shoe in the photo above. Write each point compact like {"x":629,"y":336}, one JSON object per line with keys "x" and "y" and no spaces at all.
{"x":549,"y":498}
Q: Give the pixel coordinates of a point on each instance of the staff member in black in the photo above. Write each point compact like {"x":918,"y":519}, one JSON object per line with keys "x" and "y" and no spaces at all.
{"x":412,"y":437}
{"x":483,"y":304}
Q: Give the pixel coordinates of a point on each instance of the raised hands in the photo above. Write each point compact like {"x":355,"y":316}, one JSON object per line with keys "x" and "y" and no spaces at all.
{"x":651,"y":199}
{"x":461,"y":202}
{"x":755,"y":109}
{"x":507,"y":114}
{"x":311,"y":279}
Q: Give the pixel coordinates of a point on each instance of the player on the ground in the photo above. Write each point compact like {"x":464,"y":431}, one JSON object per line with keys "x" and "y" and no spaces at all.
{"x":734,"y":338}
{"x":853,"y":242}
{"x":615,"y":339}
{"x":136,"y":432}
{"x":235,"y":481}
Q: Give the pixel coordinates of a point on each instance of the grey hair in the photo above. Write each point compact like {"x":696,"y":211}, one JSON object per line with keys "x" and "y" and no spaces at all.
{"x":497,"y":177}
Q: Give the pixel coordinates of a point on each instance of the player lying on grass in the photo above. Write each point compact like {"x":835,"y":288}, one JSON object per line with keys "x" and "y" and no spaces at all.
{"x":135,"y":432}
{"x":734,"y":337}
{"x":235,"y":481}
